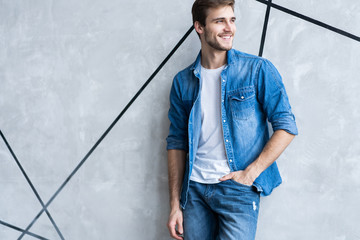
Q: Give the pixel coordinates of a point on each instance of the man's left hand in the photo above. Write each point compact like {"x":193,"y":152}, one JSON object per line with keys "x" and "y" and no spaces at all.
{"x":239,"y":176}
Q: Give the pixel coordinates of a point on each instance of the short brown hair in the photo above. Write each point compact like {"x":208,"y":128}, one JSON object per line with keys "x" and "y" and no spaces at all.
{"x":200,"y":8}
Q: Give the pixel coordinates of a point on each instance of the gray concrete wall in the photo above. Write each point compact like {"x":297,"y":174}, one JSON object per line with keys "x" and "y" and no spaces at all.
{"x":67,"y":69}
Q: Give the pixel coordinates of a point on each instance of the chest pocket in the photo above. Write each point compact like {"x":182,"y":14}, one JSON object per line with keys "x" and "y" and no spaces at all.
{"x":242,"y":103}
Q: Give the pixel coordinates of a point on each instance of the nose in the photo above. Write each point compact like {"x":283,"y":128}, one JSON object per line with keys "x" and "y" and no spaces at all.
{"x":228,"y":26}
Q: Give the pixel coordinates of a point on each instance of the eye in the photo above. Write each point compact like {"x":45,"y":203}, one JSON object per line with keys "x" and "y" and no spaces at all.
{"x":218,"y":21}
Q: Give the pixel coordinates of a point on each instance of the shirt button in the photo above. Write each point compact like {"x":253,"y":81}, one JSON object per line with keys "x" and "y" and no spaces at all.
{"x":230,"y":160}
{"x":242,"y":97}
{"x":223,"y":80}
{"x":224,"y":120}
{"x":227,"y":140}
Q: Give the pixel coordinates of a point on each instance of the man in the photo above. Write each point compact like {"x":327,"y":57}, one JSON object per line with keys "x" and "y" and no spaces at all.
{"x":220,"y":156}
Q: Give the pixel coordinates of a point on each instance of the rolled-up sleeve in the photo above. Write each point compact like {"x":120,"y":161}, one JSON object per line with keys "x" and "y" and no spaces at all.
{"x":178,"y":133}
{"x":273,"y":97}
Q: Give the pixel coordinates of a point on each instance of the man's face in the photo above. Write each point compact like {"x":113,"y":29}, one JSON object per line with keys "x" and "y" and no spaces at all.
{"x":220,"y":28}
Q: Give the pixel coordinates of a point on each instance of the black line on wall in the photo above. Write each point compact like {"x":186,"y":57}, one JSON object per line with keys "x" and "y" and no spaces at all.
{"x":314,"y":21}
{"x":266,"y":21}
{"x":30,"y":183}
{"x":22,"y":230}
{"x":110,"y":127}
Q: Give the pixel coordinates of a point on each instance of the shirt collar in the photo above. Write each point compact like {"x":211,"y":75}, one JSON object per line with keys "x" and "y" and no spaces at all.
{"x":196,"y":66}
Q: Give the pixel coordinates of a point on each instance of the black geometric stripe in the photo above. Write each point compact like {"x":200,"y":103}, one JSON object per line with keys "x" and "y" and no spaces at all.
{"x":267,"y":14}
{"x":22,"y":230}
{"x":30,"y":183}
{"x":309,"y":19}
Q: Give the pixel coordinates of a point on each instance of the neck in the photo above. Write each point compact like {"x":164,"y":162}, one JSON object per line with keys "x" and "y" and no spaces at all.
{"x":212,"y":59}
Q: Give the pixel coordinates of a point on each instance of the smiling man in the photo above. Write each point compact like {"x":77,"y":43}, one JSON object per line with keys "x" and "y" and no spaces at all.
{"x":221,"y":157}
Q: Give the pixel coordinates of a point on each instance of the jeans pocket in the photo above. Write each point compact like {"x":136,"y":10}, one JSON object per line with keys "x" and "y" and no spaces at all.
{"x":240,"y":184}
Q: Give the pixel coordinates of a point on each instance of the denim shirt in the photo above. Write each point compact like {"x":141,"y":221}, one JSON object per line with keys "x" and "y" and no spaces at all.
{"x":252,"y":94}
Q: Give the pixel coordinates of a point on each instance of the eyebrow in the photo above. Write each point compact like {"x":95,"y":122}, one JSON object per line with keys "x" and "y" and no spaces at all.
{"x":222,"y":18}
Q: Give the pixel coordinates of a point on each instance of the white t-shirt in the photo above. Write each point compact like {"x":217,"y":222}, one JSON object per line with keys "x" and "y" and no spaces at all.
{"x":210,"y":161}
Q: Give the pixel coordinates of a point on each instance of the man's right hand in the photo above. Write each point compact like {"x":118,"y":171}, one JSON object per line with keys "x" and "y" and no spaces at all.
{"x":176,"y":167}
{"x":175,"y":224}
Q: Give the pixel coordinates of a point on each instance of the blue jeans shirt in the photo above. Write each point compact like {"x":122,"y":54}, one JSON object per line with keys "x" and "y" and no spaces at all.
{"x":252,"y":93}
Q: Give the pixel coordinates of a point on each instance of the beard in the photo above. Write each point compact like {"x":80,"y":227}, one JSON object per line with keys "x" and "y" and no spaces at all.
{"x":214,"y":43}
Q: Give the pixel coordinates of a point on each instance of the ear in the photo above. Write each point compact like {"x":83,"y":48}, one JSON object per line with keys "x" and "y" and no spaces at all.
{"x":198,"y":27}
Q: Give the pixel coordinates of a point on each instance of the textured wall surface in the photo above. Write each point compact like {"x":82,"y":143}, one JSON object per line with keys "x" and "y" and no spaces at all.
{"x":68,"y":68}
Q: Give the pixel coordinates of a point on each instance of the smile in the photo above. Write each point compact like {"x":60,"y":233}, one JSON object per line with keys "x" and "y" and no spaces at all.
{"x":226,"y":37}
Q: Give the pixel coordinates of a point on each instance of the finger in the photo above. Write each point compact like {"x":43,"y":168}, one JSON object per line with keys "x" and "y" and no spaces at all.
{"x":226,"y":177}
{"x":173,"y":233}
{"x":179,"y":236}
{"x":180,"y":227}
{"x":172,"y":230}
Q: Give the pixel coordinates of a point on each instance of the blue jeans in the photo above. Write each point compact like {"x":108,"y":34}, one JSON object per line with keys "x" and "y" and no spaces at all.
{"x":224,"y":211}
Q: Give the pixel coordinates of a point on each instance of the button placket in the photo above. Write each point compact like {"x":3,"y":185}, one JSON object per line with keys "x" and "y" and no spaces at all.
{"x":226,"y":130}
